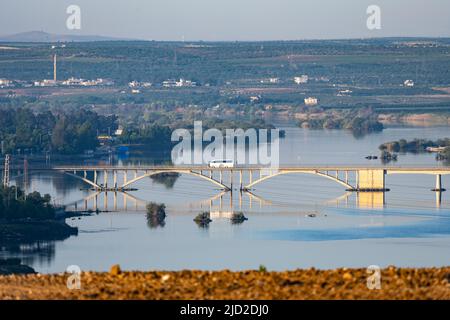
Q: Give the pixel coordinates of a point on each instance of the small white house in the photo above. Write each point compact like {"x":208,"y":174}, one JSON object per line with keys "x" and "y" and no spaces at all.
{"x":311,"y":101}
{"x":301,"y":80}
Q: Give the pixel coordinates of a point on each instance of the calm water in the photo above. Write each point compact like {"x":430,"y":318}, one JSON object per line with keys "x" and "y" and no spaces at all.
{"x":408,"y":227}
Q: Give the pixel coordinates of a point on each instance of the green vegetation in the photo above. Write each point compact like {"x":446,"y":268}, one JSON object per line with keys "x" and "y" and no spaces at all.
{"x":441,"y":147}
{"x":156,"y":136}
{"x":413,"y":146}
{"x":25,"y":131}
{"x":14,"y":205}
{"x":70,"y":130}
{"x":229,"y":74}
{"x":444,"y":155}
{"x":30,"y":218}
{"x":387,"y":156}
{"x":203,"y":219}
{"x":238,"y":217}
{"x":156,"y":214}
{"x":168,"y":179}
{"x":359,"y":122}
{"x":348,"y":77}
{"x":386,"y":61}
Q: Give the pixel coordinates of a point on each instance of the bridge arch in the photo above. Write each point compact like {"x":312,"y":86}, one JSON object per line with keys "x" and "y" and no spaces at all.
{"x":93,"y":184}
{"x":321,"y":174}
{"x":196,"y":174}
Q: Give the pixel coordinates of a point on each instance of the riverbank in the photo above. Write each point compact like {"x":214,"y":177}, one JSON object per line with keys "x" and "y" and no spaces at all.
{"x":29,"y":230}
{"x":14,"y":266}
{"x":396,"y":283}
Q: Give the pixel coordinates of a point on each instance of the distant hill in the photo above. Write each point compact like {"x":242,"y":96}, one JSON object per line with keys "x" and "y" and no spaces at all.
{"x":40,"y":36}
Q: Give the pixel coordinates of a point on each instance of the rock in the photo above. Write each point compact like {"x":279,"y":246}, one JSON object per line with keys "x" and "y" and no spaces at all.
{"x":14,"y":266}
{"x":347,"y":276}
{"x":115,"y":270}
{"x":165,"y":277}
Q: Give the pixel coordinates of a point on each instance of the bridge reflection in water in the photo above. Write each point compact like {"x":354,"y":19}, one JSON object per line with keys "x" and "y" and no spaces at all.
{"x":223,"y":203}
{"x":367,"y":183}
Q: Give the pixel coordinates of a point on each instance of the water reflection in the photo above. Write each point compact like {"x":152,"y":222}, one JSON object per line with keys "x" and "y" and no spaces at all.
{"x":167,"y":179}
{"x":39,"y":252}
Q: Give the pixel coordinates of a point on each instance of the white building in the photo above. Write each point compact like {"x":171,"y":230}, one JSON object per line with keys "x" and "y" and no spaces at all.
{"x":185,"y":83}
{"x":5,"y":83}
{"x":45,"y":83}
{"x":169,"y":83}
{"x":311,"y":101}
{"x":344,"y":93}
{"x":408,"y":83}
{"x":72,"y":82}
{"x":134,"y":84}
{"x":274,"y":80}
{"x":301,"y":80}
{"x":87,"y":83}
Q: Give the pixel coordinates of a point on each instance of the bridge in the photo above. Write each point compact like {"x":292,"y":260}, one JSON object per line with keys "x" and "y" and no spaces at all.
{"x":245,"y":178}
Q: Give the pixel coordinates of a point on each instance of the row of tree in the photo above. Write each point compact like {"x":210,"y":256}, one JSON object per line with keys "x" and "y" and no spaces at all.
{"x":24,"y":130}
{"x":14,"y":205}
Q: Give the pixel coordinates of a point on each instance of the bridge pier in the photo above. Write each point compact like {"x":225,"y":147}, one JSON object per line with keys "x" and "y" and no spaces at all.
{"x":438,"y":187}
{"x":105,"y":179}
{"x":231,"y":179}
{"x":370,"y":180}
{"x":240,"y":180}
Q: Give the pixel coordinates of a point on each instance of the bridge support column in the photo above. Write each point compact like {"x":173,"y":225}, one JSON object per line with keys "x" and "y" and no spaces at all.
{"x":240,"y":180}
{"x":115,"y":179}
{"x":438,"y":187}
{"x":231,"y":180}
{"x":105,"y":179}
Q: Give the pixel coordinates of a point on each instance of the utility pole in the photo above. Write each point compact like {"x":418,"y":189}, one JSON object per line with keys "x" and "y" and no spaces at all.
{"x":6,"y":173}
{"x":54,"y":67}
{"x":25,"y":177}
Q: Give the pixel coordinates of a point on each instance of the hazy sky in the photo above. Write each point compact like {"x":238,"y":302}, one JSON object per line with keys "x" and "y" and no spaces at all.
{"x":228,"y":19}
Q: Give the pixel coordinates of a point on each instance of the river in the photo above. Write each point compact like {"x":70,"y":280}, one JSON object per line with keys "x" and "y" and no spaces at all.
{"x":294,"y":221}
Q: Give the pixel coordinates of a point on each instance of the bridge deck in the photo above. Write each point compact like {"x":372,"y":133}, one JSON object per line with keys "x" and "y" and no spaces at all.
{"x":396,"y":169}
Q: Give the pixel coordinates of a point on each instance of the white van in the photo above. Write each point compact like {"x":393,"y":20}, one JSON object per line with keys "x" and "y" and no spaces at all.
{"x":221,"y":164}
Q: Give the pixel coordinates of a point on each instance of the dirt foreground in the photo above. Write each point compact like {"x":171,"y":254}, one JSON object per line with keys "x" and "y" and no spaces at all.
{"x":396,"y":283}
